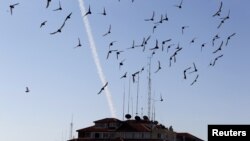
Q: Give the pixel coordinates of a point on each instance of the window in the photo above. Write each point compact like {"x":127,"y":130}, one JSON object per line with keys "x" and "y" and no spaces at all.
{"x":97,"y":135}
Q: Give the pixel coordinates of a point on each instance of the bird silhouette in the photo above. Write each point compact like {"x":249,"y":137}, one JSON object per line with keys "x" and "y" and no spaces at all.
{"x":227,"y":17}
{"x":59,"y":30}
{"x":48,"y":2}
{"x":104,"y":12}
{"x":215,"y":38}
{"x":108,"y":32}
{"x":88,"y":12}
{"x":103,"y":88}
{"x":111,"y":43}
{"x":180,"y":5}
{"x":221,"y":22}
{"x":147,"y":39}
{"x":212,"y":64}
{"x":220,"y":47}
{"x":152,"y":18}
{"x":185,"y":71}
{"x":133,"y":45}
{"x":229,"y":37}
{"x":159,"y":67}
{"x":121,"y":64}
{"x":59,"y":8}
{"x":12,"y":6}
{"x":195,"y":69}
{"x":134,"y":74}
{"x":182,"y":29}
{"x":161,"y":20}
{"x":161,"y":99}
{"x":68,"y":17}
{"x":43,"y":24}
{"x":193,"y":40}
{"x":203,"y":45}
{"x":166,"y":17}
{"x":154,"y":27}
{"x":156,"y":45}
{"x":79,"y":43}
{"x":195,"y":80}
{"x":27,"y":90}
{"x":109,"y":52}
{"x":217,"y":13}
{"x":118,"y":53}
{"x":124,"y":76}
{"x":169,"y":46}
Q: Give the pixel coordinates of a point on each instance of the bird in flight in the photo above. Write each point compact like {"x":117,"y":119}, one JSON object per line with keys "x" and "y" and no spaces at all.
{"x":185,"y":71}
{"x":109,"y":31}
{"x":195,"y":80}
{"x":124,"y":76}
{"x":59,"y":8}
{"x":195,"y":69}
{"x":43,"y":24}
{"x":48,"y":2}
{"x":134,"y":74}
{"x":229,"y":37}
{"x":152,"y":18}
{"x":133,"y":45}
{"x":156,"y":45}
{"x":111,"y":44}
{"x":88,"y":12}
{"x":58,"y":30}
{"x":110,"y":51}
{"x":227,"y":17}
{"x":192,"y":41}
{"x":27,"y":90}
{"x":159,"y":67}
{"x":118,"y":53}
{"x":215,"y":38}
{"x":103,"y":88}
{"x":121,"y":63}
{"x":68,"y":17}
{"x":182,"y":29}
{"x":12,"y":6}
{"x":212,"y":64}
{"x":180,"y":5}
{"x":104,"y":12}
{"x":217,"y":13}
{"x":203,"y":45}
{"x":219,"y":48}
{"x":79,"y":43}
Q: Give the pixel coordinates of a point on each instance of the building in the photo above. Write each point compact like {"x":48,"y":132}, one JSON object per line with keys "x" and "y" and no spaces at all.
{"x":112,"y":129}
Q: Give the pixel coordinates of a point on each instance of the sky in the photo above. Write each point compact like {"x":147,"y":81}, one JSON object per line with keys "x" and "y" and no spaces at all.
{"x":64,"y":80}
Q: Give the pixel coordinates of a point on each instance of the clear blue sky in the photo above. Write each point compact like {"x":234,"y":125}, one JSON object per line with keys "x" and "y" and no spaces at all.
{"x":63,"y":80}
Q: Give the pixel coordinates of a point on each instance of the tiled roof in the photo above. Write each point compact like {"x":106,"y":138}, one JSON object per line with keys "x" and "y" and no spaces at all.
{"x":133,"y":126}
{"x":187,"y":135}
{"x":94,"y":129}
{"x":107,"y":120}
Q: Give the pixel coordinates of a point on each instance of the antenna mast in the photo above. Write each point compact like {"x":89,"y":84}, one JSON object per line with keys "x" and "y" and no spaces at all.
{"x":149,"y":88}
{"x":71,"y":128}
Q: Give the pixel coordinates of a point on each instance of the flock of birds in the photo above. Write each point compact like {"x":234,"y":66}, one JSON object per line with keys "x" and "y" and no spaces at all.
{"x":158,"y":45}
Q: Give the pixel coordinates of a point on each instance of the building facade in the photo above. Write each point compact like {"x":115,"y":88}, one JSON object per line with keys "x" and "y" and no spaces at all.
{"x":112,"y":129}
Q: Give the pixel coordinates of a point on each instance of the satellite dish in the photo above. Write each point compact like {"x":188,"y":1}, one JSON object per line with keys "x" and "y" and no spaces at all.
{"x":155,"y":122}
{"x":128,"y":116}
{"x":137,"y":118}
{"x":145,"y":118}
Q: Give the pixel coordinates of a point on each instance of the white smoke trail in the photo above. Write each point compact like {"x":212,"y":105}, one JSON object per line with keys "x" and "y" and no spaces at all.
{"x":96,"y":58}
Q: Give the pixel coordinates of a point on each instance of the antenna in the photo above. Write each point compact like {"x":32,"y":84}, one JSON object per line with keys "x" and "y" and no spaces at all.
{"x":128,"y":93}
{"x":71,"y":128}
{"x":123,"y":101}
{"x":149,"y":88}
{"x":138,"y":84}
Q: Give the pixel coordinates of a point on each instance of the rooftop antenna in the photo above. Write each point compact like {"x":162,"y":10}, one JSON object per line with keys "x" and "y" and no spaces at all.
{"x":138,"y":84}
{"x":129,"y":94}
{"x":71,"y":128}
{"x":123,"y":100}
{"x":149,"y":88}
